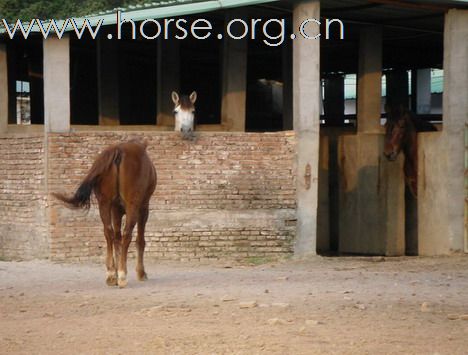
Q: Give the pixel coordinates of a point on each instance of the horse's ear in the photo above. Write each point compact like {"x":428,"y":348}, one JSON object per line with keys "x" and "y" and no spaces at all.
{"x":193,"y":97}
{"x":175,"y":98}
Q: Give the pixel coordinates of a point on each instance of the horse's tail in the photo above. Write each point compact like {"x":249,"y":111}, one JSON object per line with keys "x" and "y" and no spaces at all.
{"x":102,"y":164}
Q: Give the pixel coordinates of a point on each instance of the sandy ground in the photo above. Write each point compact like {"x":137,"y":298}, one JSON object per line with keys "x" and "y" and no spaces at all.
{"x":323,"y":305}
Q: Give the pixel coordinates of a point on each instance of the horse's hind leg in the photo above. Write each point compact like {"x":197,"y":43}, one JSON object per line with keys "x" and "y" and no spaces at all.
{"x":126,"y":240}
{"x":105,"y":213}
{"x":117,"y":214}
{"x":140,"y":242}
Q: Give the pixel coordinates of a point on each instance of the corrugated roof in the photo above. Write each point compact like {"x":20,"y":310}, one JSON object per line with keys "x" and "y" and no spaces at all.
{"x":153,"y":10}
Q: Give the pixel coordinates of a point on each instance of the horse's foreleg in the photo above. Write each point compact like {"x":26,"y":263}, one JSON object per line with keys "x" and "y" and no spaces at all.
{"x":140,"y":242}
{"x":105,"y":213}
{"x":126,"y":240}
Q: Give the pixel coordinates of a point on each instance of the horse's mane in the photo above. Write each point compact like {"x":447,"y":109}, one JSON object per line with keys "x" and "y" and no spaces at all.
{"x":420,"y":125}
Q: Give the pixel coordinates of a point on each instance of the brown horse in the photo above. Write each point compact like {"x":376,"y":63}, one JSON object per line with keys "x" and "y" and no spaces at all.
{"x":401,"y":135}
{"x":123,"y":178}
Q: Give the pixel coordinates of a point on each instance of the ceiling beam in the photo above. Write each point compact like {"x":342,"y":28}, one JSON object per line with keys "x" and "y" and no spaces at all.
{"x":349,"y":8}
{"x":417,"y":6}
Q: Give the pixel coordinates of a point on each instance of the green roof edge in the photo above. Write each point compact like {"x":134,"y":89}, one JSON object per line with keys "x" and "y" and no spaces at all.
{"x":142,"y":13}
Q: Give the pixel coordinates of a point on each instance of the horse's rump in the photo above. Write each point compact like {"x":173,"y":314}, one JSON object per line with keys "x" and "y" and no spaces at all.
{"x":103,"y":163}
{"x":121,"y":170}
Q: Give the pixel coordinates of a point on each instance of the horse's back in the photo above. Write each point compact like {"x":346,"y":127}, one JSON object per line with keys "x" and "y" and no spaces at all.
{"x":137,"y":175}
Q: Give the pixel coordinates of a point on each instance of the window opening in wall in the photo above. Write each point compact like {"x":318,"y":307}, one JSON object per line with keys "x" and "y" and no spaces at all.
{"x":201,"y":71}
{"x":83,"y":81}
{"x":25,"y":81}
{"x":265,"y":82}
{"x":23,"y":102}
{"x":137,"y":81}
{"x":350,"y":82}
{"x":437,"y":89}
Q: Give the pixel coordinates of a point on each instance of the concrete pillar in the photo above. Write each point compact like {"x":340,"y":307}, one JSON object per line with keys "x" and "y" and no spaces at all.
{"x":441,"y":164}
{"x":306,"y":111}
{"x":3,"y":89}
{"x":234,"y":82}
{"x":334,"y":103}
{"x":397,"y":87}
{"x":286,"y":52}
{"x":423,"y":91}
{"x":168,"y":77}
{"x":57,"y":84}
{"x":455,"y":113}
{"x":108,"y":81}
{"x":466,"y":187}
{"x":369,"y":80}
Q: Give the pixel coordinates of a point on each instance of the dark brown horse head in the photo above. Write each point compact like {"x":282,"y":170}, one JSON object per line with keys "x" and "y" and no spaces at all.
{"x":396,"y":129}
{"x":401,"y":135}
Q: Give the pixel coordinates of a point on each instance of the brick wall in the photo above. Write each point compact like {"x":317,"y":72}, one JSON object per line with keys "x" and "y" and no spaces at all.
{"x":225,"y":195}
{"x":23,"y":227}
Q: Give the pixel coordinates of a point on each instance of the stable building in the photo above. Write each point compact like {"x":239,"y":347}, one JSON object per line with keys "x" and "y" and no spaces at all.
{"x":279,"y":166}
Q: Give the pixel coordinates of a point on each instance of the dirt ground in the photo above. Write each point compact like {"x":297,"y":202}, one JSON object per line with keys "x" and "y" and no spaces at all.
{"x":319,"y":306}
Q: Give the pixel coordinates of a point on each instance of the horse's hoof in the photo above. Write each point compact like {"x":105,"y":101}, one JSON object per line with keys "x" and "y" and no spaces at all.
{"x":142,"y":276}
{"x":111,"y":280}
{"x":122,"y":283}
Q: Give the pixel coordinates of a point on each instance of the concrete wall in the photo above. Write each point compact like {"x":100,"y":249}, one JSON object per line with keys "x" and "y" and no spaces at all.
{"x":434,"y":201}
{"x":23,"y":227}
{"x":432,"y":217}
{"x":371,"y":197}
{"x":227,"y":195}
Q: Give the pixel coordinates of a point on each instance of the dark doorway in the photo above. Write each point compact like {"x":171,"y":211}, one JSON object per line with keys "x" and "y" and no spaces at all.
{"x":83,"y":81}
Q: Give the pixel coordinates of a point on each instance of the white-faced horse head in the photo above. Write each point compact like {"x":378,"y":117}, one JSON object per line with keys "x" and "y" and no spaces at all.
{"x":184,"y":113}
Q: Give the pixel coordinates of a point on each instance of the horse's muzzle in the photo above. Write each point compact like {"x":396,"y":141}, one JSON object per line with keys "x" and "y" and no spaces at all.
{"x":391,"y":156}
{"x":187,"y":133}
